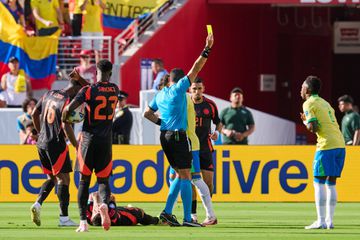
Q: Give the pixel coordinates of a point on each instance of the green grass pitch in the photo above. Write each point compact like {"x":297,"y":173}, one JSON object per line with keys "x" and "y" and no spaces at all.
{"x":236,"y":221}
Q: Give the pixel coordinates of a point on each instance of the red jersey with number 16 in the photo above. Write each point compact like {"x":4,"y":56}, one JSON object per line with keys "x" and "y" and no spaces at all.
{"x":50,"y":107}
{"x":101,"y":99}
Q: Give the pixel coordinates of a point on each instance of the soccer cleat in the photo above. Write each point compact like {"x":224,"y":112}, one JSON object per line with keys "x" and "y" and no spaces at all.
{"x":67,"y":223}
{"x":35,"y":213}
{"x":84,"y":227}
{"x":105,"y":219}
{"x":210,"y":221}
{"x":169,"y":219}
{"x":316,"y":225}
{"x":192,"y":224}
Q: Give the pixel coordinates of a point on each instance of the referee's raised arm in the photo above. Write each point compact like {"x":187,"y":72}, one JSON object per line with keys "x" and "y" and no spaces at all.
{"x":200,"y":62}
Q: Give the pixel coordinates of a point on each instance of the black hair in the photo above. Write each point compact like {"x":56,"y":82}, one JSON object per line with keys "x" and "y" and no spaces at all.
{"x":314,"y":84}
{"x":96,"y":221}
{"x":26,"y":103}
{"x":159,"y":62}
{"x":176,"y":74}
{"x":74,"y":83}
{"x":237,"y":90}
{"x":198,"y":80}
{"x":346,"y":99}
{"x":105,"y":66}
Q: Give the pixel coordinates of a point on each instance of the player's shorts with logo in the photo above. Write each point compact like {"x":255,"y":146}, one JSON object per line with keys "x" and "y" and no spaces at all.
{"x":329,"y":162}
{"x":94,"y":154}
{"x":55,"y":160}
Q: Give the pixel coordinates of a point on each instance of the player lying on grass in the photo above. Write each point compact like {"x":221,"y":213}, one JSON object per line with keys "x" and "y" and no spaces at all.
{"x":119,"y":216}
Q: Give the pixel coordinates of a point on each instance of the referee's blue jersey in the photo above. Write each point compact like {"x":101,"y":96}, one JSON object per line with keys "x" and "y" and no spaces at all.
{"x":171,"y":102}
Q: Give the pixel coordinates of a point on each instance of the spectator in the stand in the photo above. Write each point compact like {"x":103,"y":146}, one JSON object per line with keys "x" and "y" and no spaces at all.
{"x":350,"y":124}
{"x":86,"y":69}
{"x":16,"y":84}
{"x":48,"y":16}
{"x":16,"y":11}
{"x":157,"y":66}
{"x":92,"y":25}
{"x":75,"y":16}
{"x":3,"y":100}
{"x":123,"y":121}
{"x":25,"y":119}
{"x":31,"y":134}
{"x":237,"y":120}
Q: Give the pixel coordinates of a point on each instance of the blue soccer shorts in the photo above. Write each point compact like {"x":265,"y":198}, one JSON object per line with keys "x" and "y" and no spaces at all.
{"x":329,"y":162}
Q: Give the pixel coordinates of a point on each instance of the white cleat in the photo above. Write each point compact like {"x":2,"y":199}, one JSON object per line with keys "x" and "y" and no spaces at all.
{"x":84,"y":227}
{"x":67,"y":222}
{"x":210,"y":221}
{"x":35,"y":213}
{"x":316,"y":225}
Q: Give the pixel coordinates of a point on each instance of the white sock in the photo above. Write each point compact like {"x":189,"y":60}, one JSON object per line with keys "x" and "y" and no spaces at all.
{"x":37,"y":205}
{"x":330,"y":203}
{"x":83,"y":222}
{"x":204,"y":193}
{"x":320,"y":201}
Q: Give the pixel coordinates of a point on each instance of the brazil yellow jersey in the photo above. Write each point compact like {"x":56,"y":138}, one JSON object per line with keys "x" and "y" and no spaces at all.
{"x":191,"y":124}
{"x":92,"y":21}
{"x":329,"y":135}
{"x":47,"y":11}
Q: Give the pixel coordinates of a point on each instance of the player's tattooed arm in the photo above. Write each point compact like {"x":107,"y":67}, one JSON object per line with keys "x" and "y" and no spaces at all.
{"x":151,"y":116}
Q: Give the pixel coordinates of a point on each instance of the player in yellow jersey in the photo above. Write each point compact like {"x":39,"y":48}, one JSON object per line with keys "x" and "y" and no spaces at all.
{"x":319,"y":118}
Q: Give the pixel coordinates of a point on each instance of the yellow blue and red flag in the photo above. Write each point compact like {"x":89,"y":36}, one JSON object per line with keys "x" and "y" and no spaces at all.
{"x":37,"y":55}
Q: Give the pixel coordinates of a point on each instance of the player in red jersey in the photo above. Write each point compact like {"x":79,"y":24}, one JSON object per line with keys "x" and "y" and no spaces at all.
{"x":52,"y":147}
{"x":120,"y":216}
{"x":95,"y":147}
{"x":206,"y":112}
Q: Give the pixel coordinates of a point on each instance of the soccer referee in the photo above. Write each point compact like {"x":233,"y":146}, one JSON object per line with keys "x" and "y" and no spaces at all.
{"x":171,"y":103}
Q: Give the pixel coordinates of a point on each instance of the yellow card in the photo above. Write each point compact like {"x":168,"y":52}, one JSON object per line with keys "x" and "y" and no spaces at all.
{"x":209,"y":29}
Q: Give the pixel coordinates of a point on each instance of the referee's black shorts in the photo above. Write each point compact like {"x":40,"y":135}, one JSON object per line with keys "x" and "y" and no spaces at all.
{"x":177,"y":148}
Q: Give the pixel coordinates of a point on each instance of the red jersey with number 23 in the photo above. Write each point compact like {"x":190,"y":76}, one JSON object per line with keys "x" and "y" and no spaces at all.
{"x":101,"y":99}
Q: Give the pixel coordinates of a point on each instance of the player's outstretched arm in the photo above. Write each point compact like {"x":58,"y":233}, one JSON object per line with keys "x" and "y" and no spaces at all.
{"x":200,"y":62}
